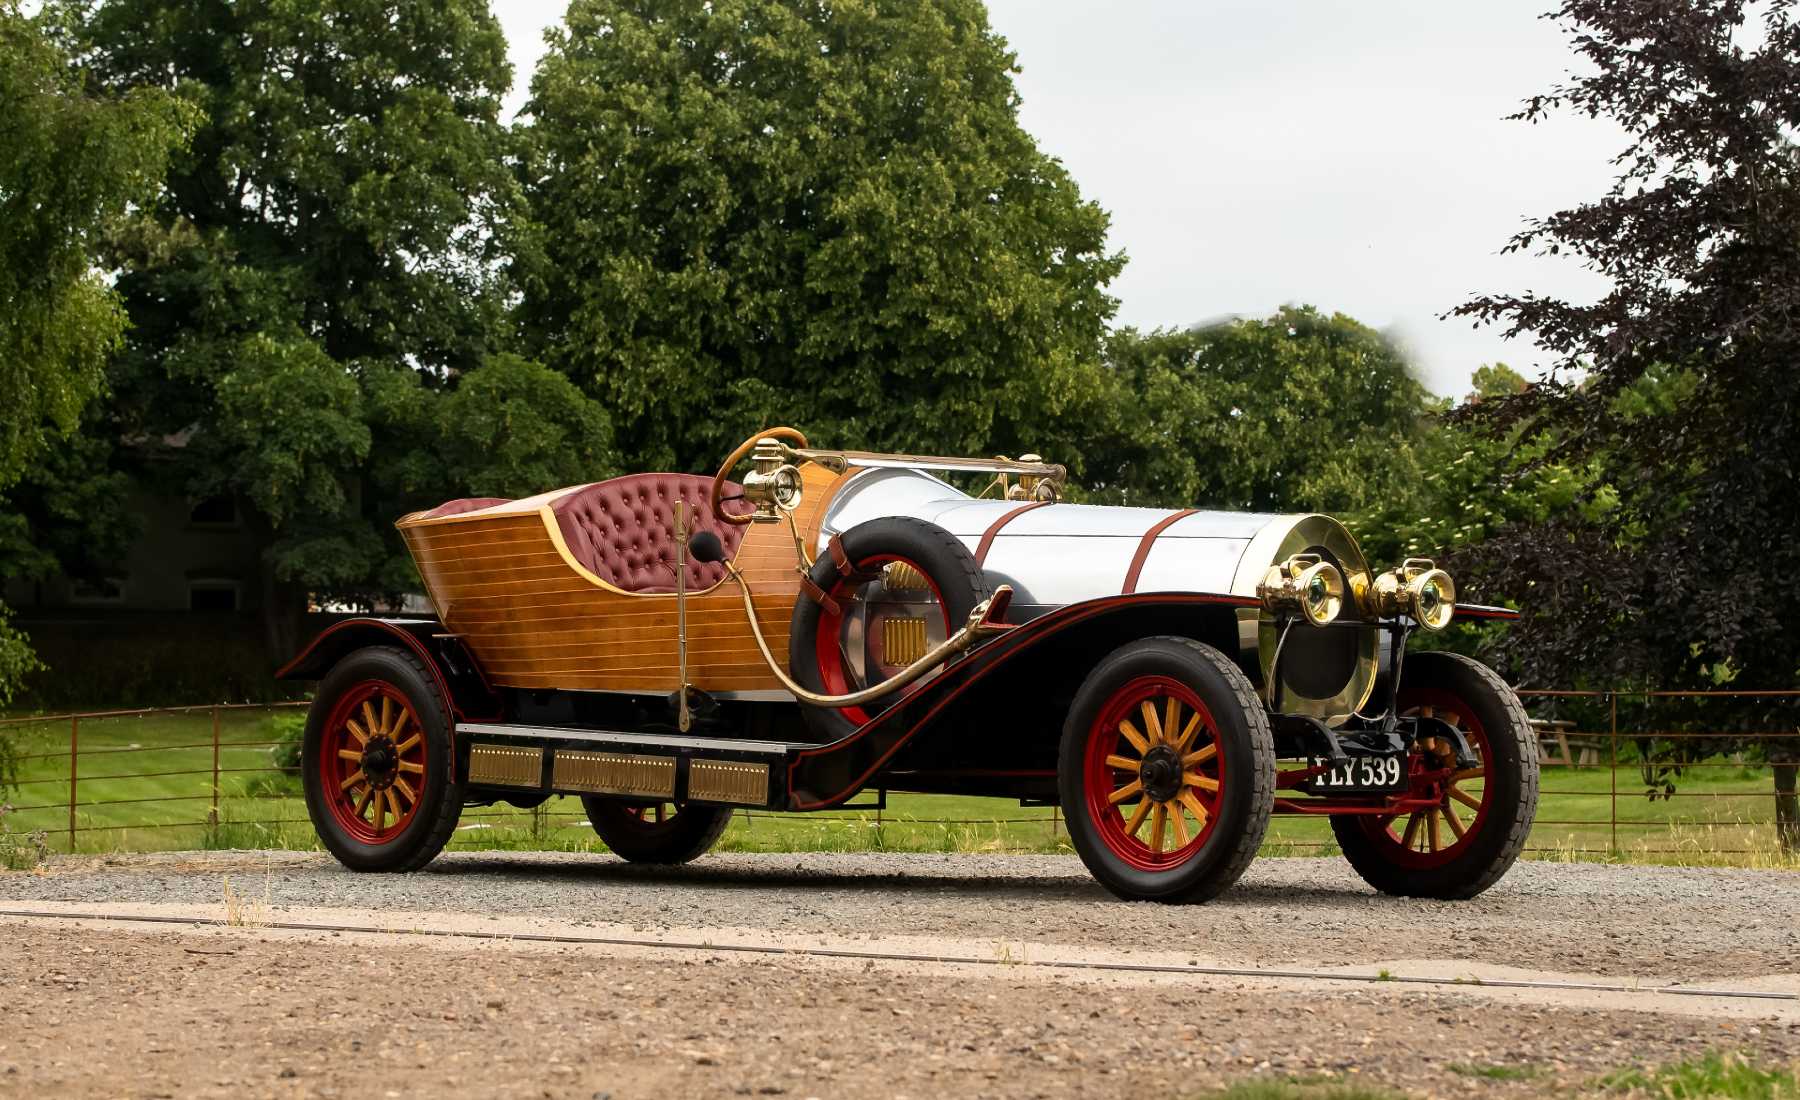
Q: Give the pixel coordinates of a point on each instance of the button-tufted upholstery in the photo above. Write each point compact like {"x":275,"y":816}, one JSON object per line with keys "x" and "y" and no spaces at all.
{"x":467,"y":504}
{"x":623,"y":530}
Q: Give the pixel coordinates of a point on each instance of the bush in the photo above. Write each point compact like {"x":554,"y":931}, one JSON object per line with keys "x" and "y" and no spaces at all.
{"x":289,"y":730}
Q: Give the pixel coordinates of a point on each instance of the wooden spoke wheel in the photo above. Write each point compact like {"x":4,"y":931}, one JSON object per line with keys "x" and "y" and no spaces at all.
{"x":1167,"y":771}
{"x":376,"y":763}
{"x":656,"y":832}
{"x":373,"y":758}
{"x":1473,"y":819}
{"x":1153,"y":773}
{"x":903,"y":587}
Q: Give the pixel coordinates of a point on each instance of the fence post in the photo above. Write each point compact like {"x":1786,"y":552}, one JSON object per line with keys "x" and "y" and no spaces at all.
{"x":74,"y":741}
{"x":212,"y":815}
{"x":1613,"y":700}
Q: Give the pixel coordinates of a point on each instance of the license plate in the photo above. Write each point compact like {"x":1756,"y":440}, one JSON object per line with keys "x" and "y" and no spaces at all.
{"x":1359,"y":775}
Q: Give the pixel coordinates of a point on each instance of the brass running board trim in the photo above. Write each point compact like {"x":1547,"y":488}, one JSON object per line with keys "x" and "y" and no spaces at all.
{"x":506,"y":766}
{"x":728,"y":781}
{"x":613,"y":773}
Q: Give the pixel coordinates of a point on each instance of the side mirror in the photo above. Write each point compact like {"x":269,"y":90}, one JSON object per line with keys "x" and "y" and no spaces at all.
{"x":705,"y":546}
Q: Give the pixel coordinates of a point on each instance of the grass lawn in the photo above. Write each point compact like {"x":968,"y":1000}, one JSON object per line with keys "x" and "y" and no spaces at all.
{"x":145,"y":783}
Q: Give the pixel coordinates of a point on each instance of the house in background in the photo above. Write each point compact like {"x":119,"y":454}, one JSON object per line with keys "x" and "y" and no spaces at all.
{"x":174,"y":622}
{"x":188,"y":557}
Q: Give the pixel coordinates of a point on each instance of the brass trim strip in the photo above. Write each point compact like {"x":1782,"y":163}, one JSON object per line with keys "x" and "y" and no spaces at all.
{"x":613,"y":773}
{"x":728,"y":781}
{"x":506,"y":766}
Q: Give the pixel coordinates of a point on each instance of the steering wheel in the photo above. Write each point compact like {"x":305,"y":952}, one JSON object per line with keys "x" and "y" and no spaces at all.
{"x":792,"y":435}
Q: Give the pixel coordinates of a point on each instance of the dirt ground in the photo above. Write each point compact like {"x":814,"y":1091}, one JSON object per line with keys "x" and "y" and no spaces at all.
{"x":142,"y":1010}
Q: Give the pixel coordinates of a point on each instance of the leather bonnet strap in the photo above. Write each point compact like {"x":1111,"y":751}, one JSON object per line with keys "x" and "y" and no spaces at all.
{"x":987,"y":537}
{"x":1144,"y":545}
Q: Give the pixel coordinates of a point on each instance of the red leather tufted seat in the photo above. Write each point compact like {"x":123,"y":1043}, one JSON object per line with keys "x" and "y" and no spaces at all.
{"x":623,"y":530}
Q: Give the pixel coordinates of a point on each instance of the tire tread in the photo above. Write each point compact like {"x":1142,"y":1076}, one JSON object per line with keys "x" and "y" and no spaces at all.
{"x":1390,"y":879}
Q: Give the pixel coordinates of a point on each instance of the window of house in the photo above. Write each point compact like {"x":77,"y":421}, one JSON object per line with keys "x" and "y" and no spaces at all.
{"x":215,"y":512}
{"x":213,"y":595}
{"x":97,"y":590}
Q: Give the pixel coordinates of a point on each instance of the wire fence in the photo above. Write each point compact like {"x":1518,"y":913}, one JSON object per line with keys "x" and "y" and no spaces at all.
{"x":1664,"y":776}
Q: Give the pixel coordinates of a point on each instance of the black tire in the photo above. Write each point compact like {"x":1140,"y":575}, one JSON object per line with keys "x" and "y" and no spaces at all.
{"x":1244,"y":774}
{"x":629,"y":830}
{"x":438,"y":798}
{"x":1492,"y":841}
{"x":935,"y":552}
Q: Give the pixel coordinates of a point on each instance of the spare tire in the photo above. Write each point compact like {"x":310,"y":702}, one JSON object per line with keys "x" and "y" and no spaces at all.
{"x":899,"y":587}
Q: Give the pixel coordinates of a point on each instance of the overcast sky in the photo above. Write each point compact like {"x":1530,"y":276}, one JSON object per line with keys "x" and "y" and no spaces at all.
{"x":1350,"y":155}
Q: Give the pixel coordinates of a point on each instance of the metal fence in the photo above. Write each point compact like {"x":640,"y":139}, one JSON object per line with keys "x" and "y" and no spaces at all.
{"x":1632,"y":774}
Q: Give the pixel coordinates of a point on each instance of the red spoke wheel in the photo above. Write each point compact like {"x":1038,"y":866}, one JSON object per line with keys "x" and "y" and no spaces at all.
{"x":1167,"y":771}
{"x":908,"y":586}
{"x":376,"y":763}
{"x":1471,"y":821}
{"x":655,"y":832}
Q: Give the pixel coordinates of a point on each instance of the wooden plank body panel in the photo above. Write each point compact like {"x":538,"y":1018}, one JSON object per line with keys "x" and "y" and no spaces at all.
{"x":505,"y":582}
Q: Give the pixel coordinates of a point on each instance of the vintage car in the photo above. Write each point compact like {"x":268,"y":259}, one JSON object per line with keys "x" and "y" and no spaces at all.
{"x":668,"y":647}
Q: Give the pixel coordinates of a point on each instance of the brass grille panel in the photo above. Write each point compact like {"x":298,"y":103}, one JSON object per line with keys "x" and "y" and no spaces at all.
{"x":728,"y":781}
{"x":902,"y":641}
{"x":614,"y":773}
{"x":900,"y":576}
{"x":506,"y":766}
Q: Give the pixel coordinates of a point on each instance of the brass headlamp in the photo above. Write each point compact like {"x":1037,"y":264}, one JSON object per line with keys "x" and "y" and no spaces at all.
{"x":773,"y":485}
{"x":1418,"y":589}
{"x":1306,"y":585}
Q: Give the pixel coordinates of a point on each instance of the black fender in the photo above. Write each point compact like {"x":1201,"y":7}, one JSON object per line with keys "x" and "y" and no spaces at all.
{"x":453,"y":668}
{"x":1059,"y":647}
{"x":1484,"y":611}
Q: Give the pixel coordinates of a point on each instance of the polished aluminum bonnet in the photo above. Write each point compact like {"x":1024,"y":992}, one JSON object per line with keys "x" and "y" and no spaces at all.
{"x":1065,"y":553}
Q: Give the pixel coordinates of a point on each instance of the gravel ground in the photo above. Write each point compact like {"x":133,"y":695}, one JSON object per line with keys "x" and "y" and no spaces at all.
{"x":240,"y":1013}
{"x":1630,"y":921}
{"x":164,"y":1011}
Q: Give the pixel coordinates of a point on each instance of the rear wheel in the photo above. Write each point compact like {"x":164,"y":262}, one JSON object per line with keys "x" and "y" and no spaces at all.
{"x":1478,"y":817}
{"x":656,"y":832}
{"x":1166,"y":771}
{"x":376,"y":763}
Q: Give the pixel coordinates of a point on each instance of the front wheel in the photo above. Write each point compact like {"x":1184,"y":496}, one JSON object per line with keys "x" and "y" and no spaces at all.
{"x":655,"y":832}
{"x":1166,"y":771}
{"x":1476,"y":819}
{"x":375,"y":763}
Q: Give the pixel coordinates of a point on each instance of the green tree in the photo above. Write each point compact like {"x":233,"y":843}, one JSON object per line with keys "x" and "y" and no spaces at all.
{"x":1692,"y":578}
{"x":318,"y":273}
{"x":76,"y":159}
{"x":756,"y":211}
{"x":1299,"y":410}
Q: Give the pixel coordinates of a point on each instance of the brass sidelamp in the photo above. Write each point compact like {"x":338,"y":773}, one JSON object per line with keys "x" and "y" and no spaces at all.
{"x":1305,"y":585}
{"x":1417,"y":589}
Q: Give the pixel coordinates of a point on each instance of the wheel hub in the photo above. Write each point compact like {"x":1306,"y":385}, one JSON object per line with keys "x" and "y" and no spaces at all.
{"x":1161,"y":773}
{"x":380,"y":761}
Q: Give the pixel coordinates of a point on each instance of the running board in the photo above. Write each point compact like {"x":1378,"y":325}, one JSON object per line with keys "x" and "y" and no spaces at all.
{"x":653,"y":766}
